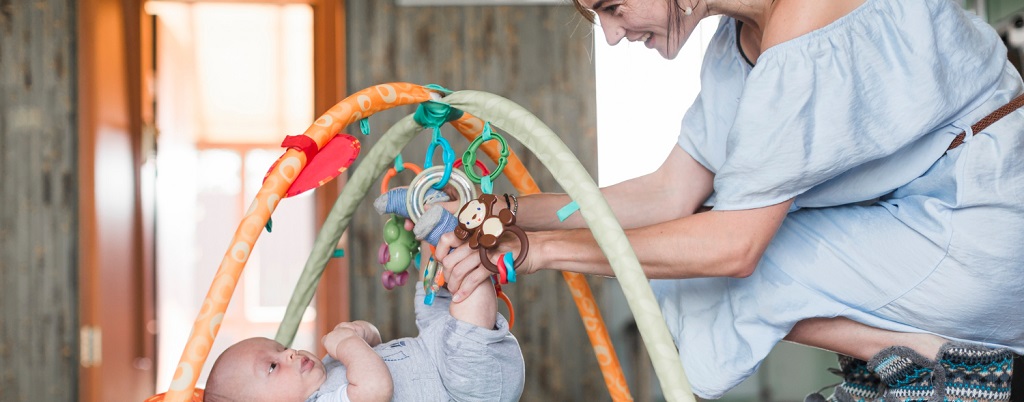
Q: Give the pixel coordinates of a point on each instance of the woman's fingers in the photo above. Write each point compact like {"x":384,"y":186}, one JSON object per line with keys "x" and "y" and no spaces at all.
{"x":445,"y":244}
{"x":474,"y":279}
{"x":457,"y":264}
{"x":464,"y":273}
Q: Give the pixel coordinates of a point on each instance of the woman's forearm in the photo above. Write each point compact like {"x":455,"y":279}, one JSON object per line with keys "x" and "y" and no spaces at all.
{"x":681,"y":182}
{"x":703,"y":245}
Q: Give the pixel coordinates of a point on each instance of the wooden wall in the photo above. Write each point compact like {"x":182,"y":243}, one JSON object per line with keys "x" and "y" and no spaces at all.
{"x":38,"y":202}
{"x":538,"y":56}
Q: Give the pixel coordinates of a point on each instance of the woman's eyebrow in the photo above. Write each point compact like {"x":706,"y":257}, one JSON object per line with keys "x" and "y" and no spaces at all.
{"x":598,"y":5}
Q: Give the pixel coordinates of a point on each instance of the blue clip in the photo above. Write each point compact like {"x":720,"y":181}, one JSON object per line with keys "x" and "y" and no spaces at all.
{"x":510,"y":270}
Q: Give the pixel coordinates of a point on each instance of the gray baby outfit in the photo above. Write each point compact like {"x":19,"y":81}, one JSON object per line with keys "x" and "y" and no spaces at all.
{"x":450,"y":360}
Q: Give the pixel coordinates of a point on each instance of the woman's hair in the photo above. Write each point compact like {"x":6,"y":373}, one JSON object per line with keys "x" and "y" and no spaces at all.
{"x":675,"y":15}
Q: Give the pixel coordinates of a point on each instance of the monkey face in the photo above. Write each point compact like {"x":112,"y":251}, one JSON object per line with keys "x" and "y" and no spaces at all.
{"x":473,"y":214}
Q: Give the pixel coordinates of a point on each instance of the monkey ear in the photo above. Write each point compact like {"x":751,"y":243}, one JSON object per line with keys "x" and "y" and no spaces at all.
{"x":489,"y":200}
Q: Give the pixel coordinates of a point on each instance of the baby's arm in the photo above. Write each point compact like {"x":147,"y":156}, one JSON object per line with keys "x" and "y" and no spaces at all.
{"x":479,"y":308}
{"x":368,"y":376}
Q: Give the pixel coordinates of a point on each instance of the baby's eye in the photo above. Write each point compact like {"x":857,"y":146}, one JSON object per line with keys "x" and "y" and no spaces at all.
{"x":272,"y":367}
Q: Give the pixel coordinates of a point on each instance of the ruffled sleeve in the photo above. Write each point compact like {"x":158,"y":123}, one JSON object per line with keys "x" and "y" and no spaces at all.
{"x":854,"y":101}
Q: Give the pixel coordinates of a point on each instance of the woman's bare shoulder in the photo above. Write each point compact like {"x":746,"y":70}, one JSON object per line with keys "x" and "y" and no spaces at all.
{"x":789,"y":19}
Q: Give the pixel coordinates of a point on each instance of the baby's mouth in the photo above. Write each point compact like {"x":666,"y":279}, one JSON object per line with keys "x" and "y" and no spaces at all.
{"x":307,"y":364}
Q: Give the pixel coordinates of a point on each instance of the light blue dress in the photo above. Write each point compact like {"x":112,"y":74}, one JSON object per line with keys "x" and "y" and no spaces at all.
{"x":888,"y":229}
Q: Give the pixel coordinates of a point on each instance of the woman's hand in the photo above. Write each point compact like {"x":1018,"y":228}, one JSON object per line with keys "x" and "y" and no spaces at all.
{"x":463,"y":270}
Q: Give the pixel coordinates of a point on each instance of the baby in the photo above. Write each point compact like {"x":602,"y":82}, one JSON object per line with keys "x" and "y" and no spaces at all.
{"x":464,"y":352}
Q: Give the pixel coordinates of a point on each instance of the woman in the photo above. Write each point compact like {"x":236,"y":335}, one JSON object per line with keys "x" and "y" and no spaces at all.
{"x":843,"y":218}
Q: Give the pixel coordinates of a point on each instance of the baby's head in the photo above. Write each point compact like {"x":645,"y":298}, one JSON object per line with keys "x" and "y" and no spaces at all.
{"x":260,"y":369}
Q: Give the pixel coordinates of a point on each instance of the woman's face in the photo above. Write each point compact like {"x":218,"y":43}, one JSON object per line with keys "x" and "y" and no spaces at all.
{"x":647,"y":21}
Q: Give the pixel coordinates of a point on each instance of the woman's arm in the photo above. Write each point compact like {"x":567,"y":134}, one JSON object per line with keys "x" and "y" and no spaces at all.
{"x":670,"y":241}
{"x":368,"y":377}
{"x":715,"y":243}
{"x":676,"y":189}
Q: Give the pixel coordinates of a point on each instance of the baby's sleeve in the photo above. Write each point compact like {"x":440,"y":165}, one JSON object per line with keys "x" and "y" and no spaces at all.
{"x":434,"y":312}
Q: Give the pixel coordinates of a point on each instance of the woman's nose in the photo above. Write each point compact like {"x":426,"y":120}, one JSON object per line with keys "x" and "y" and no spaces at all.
{"x":612,"y":32}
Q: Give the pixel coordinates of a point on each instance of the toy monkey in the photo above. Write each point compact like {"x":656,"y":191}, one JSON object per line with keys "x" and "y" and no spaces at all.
{"x":483,"y":221}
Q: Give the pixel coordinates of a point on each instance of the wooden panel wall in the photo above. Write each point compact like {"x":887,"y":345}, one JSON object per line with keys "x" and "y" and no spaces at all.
{"x":538,"y":56}
{"x":38,"y":202}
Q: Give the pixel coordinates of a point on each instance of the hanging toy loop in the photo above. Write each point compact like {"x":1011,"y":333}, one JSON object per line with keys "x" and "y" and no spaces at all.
{"x":433,"y":114}
{"x":392,"y":172}
{"x":417,"y":199}
{"x":447,"y":156}
{"x":483,"y":168}
{"x":469,"y":157}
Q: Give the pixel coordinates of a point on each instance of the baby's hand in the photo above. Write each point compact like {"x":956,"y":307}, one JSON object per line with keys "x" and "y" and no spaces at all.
{"x":341,"y":333}
{"x":367,"y":331}
{"x":355,"y":329}
{"x":368,"y":377}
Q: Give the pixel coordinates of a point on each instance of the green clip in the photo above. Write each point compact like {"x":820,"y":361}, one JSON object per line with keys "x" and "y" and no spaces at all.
{"x":338,"y":253}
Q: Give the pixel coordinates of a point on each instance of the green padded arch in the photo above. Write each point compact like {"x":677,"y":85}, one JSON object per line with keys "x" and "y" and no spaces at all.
{"x":573,"y":178}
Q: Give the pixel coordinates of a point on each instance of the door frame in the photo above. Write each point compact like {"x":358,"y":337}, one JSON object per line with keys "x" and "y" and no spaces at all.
{"x":116,"y":244}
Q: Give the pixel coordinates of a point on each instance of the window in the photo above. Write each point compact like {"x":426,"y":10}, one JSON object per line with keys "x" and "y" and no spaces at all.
{"x":233,"y":79}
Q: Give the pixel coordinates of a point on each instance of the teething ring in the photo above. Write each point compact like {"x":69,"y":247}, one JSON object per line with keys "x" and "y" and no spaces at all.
{"x":525,"y":248}
{"x":392,"y":172}
{"x":415,"y":202}
{"x":483,"y":168}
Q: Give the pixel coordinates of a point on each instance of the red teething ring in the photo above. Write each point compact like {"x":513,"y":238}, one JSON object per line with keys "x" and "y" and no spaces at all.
{"x":483,"y":168}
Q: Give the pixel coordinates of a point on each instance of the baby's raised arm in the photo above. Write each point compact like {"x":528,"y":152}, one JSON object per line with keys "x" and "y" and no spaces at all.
{"x":368,"y":377}
{"x":479,"y":308}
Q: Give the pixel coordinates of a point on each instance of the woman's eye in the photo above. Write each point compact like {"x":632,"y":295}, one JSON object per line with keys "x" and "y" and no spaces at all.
{"x":272,"y":367}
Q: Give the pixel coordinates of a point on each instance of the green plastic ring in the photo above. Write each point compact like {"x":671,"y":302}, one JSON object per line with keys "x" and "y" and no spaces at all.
{"x":469,"y":158}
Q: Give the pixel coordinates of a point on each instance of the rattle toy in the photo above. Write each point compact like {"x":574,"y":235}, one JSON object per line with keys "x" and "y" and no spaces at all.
{"x":397,"y":252}
{"x":400,"y":245}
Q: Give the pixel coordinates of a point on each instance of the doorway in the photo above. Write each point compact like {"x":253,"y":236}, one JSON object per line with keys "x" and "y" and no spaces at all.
{"x":232,"y":80}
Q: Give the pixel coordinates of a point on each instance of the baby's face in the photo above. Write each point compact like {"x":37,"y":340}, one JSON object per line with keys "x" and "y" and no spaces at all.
{"x":265,"y":370}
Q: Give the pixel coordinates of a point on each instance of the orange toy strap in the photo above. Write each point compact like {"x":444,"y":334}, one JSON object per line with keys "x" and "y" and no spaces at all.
{"x":508,"y":302}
